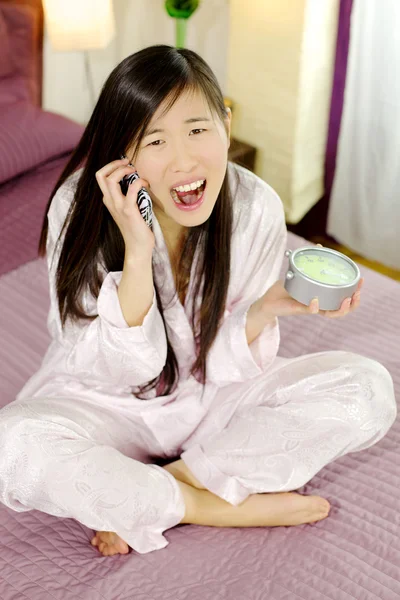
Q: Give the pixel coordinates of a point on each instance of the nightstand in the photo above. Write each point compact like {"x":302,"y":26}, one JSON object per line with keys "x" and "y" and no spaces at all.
{"x":242,"y":153}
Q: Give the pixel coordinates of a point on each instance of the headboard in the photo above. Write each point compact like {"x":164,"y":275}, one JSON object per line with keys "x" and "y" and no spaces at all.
{"x":35,"y":54}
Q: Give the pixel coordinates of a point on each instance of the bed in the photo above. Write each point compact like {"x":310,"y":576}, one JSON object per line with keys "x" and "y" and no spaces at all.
{"x":355,"y":553}
{"x":34,"y":144}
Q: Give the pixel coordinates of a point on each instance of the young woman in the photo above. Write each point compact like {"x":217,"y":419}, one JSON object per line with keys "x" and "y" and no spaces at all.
{"x":165,"y":339}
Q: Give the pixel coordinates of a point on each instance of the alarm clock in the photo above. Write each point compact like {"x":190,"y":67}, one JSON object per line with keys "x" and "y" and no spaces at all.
{"x":323,"y":273}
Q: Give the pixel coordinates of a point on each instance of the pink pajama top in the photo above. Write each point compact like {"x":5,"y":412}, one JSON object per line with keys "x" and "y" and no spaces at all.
{"x":101,"y":361}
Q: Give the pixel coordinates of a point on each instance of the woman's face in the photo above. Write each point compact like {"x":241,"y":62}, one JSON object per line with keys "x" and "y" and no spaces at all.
{"x":181,"y":153}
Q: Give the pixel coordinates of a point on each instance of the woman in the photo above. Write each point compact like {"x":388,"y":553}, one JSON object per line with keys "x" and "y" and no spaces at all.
{"x":165,"y":340}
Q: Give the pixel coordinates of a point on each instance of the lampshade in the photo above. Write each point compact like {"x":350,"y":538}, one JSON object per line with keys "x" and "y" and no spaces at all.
{"x":79,"y":24}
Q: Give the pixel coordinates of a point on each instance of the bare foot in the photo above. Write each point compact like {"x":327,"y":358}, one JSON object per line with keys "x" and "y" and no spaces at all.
{"x":289,"y":508}
{"x":258,"y":510}
{"x":262,"y":510}
{"x":109,"y":543}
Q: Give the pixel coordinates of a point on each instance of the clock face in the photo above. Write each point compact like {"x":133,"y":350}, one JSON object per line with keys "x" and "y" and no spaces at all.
{"x":325,"y":267}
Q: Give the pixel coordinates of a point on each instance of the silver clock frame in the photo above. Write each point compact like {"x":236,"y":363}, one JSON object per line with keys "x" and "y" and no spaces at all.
{"x":304,"y":288}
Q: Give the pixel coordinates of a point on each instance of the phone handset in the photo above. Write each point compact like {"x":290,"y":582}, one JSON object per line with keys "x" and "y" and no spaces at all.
{"x":143,"y":198}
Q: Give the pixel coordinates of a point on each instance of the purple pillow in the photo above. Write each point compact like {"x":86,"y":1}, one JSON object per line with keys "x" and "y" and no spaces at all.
{"x":29,"y":136}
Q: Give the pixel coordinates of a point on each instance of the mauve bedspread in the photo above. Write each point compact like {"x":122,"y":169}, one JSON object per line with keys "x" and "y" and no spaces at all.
{"x":23,"y":201}
{"x":355,"y":553}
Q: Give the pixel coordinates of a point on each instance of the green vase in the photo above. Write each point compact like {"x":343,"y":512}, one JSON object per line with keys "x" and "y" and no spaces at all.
{"x":180,"y":33}
{"x":181,"y":11}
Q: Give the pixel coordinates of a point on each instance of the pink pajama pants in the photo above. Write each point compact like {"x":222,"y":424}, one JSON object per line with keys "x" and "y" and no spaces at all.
{"x":73,"y":459}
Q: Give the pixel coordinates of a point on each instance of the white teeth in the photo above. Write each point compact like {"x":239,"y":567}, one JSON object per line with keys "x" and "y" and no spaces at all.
{"x":175,"y":196}
{"x":192,"y":186}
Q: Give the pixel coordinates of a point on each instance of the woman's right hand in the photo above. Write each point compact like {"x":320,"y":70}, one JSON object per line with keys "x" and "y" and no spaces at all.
{"x":138,"y":237}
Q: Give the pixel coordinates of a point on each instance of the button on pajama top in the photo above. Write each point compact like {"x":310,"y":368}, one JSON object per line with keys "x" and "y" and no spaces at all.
{"x":76,"y":442}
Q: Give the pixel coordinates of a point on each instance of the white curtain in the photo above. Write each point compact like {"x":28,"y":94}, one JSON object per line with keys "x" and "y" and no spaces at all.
{"x":364,"y":211}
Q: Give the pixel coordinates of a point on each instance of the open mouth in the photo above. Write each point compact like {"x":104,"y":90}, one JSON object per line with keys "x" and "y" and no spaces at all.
{"x":190,"y":197}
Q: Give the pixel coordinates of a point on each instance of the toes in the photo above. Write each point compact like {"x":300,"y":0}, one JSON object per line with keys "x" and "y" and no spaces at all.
{"x":109,"y":543}
{"x":320,"y":505}
{"x":122,"y":546}
{"x":112,"y":551}
{"x":107,"y":550}
{"x":325,"y":507}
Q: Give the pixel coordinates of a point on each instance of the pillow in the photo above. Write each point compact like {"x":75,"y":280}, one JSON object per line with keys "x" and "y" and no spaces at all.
{"x":19,"y":35}
{"x":29,"y":136}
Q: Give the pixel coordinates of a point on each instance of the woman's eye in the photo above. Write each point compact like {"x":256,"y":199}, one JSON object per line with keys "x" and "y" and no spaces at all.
{"x":159,"y":142}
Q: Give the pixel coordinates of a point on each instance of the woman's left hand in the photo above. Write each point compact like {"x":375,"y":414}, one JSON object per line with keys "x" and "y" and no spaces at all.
{"x":348,"y":305}
{"x":277,"y":302}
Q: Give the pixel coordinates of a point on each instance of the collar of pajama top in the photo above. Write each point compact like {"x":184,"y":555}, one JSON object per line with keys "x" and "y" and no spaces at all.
{"x":177,"y":316}
{"x":185,"y":409}
{"x":173,"y":421}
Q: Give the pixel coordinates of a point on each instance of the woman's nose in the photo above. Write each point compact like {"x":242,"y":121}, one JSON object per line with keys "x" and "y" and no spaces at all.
{"x":181,"y":158}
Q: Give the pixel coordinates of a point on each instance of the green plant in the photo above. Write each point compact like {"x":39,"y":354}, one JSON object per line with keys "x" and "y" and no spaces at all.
{"x":181,"y":10}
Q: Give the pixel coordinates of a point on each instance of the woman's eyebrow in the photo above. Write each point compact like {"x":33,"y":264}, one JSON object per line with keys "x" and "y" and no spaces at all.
{"x":192,"y":120}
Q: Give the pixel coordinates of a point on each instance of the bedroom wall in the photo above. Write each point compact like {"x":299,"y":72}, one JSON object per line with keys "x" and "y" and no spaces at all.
{"x":274,"y":59}
{"x":280,"y":70}
{"x":65,"y":87}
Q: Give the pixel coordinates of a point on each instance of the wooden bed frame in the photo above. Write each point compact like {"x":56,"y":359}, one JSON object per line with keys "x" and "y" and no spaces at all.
{"x":37,"y":6}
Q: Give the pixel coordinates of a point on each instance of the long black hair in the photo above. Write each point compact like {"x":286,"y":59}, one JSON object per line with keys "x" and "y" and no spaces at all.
{"x":128,"y":100}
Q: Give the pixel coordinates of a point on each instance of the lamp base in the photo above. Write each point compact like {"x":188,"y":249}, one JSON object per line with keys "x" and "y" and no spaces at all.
{"x":89,"y":78}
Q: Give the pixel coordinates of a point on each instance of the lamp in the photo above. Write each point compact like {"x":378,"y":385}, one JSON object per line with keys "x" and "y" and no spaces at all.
{"x":80,"y":25}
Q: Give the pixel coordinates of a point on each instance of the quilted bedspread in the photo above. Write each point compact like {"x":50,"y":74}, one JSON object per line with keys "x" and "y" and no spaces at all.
{"x":354,"y":553}
{"x":23,"y":201}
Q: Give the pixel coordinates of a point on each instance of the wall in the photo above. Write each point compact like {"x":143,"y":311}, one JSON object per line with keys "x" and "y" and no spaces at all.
{"x":280,"y":70}
{"x":140,"y":23}
{"x":273,"y":58}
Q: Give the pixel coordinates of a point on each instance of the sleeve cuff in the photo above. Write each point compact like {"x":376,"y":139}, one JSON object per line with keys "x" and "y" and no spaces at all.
{"x":109,"y":310}
{"x":246,"y":354}
{"x":265,"y":347}
{"x":226,"y":487}
{"x":241,"y":361}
